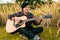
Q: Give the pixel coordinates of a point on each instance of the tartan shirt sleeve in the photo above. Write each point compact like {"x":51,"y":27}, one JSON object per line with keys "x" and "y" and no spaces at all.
{"x":34,"y":21}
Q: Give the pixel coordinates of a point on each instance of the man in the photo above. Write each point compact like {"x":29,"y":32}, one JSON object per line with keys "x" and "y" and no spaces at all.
{"x":28,"y":30}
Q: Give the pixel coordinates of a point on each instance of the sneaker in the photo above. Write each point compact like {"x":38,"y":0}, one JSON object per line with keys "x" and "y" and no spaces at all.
{"x":39,"y":38}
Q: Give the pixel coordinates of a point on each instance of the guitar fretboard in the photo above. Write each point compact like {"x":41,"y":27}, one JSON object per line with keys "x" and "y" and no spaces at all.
{"x":29,"y":19}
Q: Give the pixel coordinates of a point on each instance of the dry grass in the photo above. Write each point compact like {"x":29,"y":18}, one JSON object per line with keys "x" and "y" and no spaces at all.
{"x":48,"y":34}
{"x":52,"y":9}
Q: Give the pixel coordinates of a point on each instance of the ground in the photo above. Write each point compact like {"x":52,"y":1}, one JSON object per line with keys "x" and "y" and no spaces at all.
{"x":48,"y":34}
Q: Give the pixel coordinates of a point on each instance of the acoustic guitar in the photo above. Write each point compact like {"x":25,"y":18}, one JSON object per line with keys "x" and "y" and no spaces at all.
{"x":12,"y":26}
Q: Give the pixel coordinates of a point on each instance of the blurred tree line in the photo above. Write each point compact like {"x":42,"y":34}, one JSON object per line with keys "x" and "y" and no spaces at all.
{"x":35,"y":3}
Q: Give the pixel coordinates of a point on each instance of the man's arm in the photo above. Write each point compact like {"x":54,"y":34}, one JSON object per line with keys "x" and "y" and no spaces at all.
{"x":37,"y":21}
{"x":15,"y":15}
{"x":11,"y":16}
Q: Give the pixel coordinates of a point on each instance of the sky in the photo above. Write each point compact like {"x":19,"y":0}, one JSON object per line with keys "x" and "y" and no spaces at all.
{"x":56,"y":0}
{"x":12,"y":1}
{"x":6,"y":1}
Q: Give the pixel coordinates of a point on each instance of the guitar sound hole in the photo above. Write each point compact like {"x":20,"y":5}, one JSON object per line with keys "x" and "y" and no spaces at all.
{"x":17,"y":25}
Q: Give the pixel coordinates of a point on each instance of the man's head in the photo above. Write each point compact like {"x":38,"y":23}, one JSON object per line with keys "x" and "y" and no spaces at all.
{"x":25,"y":7}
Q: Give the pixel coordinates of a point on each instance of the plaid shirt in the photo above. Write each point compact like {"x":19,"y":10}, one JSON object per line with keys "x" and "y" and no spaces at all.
{"x":28,"y":15}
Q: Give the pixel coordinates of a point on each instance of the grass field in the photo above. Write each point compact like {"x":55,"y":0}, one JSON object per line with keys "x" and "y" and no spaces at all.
{"x":47,"y":34}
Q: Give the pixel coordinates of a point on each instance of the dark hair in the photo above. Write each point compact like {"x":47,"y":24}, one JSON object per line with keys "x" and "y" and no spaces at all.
{"x":24,"y":5}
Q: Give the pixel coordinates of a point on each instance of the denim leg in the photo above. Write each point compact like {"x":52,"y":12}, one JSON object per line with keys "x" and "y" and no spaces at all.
{"x":37,"y":30}
{"x":26,"y":32}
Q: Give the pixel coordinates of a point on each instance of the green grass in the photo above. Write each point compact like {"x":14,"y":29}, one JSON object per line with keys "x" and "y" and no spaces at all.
{"x":47,"y":34}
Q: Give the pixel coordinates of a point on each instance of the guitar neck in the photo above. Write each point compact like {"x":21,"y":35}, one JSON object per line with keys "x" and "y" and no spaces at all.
{"x":30,"y":19}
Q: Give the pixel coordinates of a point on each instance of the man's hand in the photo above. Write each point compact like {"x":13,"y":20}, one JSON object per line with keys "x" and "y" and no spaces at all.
{"x":15,"y":19}
{"x":40,"y":18}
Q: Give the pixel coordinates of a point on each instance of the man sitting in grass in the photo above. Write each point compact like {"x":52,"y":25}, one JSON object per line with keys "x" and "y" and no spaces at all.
{"x":28,"y":30}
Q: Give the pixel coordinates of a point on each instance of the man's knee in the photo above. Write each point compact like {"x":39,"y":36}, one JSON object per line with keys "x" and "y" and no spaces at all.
{"x":41,"y":29}
{"x":22,"y":30}
{"x":27,"y":33}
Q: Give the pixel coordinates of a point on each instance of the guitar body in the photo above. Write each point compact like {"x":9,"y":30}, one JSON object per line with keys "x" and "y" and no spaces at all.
{"x":11,"y":28}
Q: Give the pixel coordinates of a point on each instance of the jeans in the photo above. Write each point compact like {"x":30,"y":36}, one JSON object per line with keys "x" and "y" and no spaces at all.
{"x":30,"y":33}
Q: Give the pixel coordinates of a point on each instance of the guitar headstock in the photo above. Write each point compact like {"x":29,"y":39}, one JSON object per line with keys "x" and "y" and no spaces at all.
{"x":48,"y":16}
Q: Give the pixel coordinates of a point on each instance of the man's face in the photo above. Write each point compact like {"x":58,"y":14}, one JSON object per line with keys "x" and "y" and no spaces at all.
{"x":26,"y":9}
